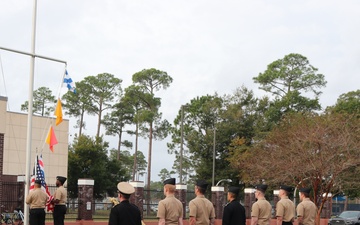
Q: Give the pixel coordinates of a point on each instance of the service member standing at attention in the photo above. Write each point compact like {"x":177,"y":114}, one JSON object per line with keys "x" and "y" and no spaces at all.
{"x":37,"y":199}
{"x":285,"y":208}
{"x":234,"y":212}
{"x":170,"y":209}
{"x":60,"y":197}
{"x":201,"y":209}
{"x":125,"y":213}
{"x":261,"y":209}
{"x":306,"y":210}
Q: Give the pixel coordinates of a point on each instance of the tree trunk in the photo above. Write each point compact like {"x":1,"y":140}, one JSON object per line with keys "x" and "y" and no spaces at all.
{"x":81,"y":123}
{"x":119,"y":146}
{"x":136,"y":149}
{"x":149,"y":167}
{"x":346,"y":203}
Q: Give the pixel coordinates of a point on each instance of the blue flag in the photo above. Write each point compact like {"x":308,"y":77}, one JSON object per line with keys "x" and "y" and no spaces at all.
{"x":68,"y":82}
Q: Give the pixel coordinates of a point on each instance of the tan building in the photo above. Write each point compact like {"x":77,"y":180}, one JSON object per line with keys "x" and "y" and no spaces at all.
{"x":13,"y":132}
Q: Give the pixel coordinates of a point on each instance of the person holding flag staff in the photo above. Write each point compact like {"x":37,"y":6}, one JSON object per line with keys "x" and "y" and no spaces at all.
{"x":59,"y":201}
{"x":37,"y":199}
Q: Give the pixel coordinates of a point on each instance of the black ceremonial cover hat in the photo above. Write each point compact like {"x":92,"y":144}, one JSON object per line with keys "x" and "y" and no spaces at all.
{"x":61,"y":179}
{"x":261,"y":187}
{"x":287,"y":188}
{"x":171,"y":181}
{"x":305,"y":190}
{"x":234,"y":190}
{"x":201,"y":183}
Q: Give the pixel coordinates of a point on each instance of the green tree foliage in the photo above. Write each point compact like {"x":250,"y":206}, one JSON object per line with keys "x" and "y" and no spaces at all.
{"x":101,"y":91}
{"x":165,"y":174}
{"x":288,"y":79}
{"x":347,"y":103}
{"x":149,"y":81}
{"x":308,"y":150}
{"x":88,"y":158}
{"x":76,"y":104}
{"x":43,"y":102}
{"x":133,"y":98}
{"x":115,"y":121}
{"x":199,"y":122}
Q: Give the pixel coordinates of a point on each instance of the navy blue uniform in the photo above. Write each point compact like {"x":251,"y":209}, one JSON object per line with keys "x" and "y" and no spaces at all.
{"x":125,"y":213}
{"x":234,"y":213}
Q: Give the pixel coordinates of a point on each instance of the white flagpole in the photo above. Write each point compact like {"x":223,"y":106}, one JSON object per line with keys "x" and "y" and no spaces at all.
{"x":30,"y":114}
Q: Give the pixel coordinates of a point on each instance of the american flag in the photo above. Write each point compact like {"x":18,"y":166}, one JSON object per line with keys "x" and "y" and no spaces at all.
{"x":39,"y":174}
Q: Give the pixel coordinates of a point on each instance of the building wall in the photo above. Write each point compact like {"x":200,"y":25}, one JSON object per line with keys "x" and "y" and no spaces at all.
{"x":14,"y":127}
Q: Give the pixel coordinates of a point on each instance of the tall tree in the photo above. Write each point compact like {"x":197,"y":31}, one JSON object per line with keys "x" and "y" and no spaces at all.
{"x":43,"y":102}
{"x":76,"y":104}
{"x":165,"y":174}
{"x":150,"y":81}
{"x":132,"y":98}
{"x":101,"y":90}
{"x":199,"y":121}
{"x":88,"y":158}
{"x":287,"y":80}
{"x":307,"y":150}
{"x":116,"y":120}
{"x":347,"y":103}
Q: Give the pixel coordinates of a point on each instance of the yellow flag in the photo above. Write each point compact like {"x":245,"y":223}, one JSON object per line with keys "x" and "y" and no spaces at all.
{"x":58,"y":112}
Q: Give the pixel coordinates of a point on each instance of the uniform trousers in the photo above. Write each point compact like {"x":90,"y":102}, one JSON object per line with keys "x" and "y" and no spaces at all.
{"x":37,"y":216}
{"x":59,"y":214}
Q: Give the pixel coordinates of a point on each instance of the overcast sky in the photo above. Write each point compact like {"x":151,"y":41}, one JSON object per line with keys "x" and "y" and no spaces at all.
{"x":205,"y":46}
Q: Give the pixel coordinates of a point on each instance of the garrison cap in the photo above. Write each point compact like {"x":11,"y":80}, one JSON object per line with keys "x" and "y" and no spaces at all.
{"x":261,"y":187}
{"x":305,"y":190}
{"x":171,"y":181}
{"x":201,"y":183}
{"x":61,"y":179}
{"x":287,"y":188}
{"x":125,"y":188}
{"x":37,"y":181}
{"x":234,"y":190}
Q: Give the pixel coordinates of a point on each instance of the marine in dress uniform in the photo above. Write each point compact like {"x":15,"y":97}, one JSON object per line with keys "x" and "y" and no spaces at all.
{"x":306,"y":210}
{"x":234,"y":212}
{"x":59,"y":201}
{"x":37,"y":199}
{"x":201,"y":209}
{"x":170,"y":209}
{"x":261,"y":209}
{"x":125,"y":213}
{"x":285,"y":208}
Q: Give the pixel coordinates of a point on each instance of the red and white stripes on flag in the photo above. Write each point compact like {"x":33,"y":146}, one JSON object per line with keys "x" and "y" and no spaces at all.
{"x":39,"y":174}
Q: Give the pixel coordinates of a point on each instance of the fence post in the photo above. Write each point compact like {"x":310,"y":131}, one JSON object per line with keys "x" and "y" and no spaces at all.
{"x":180,"y":194}
{"x":276,"y":199}
{"x":217,"y":198}
{"x":249,"y":199}
{"x":327,"y":208}
{"x":85,"y":196}
{"x":138,"y":197}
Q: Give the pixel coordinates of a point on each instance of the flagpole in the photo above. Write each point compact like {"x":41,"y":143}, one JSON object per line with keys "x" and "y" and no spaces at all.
{"x":30,"y":114}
